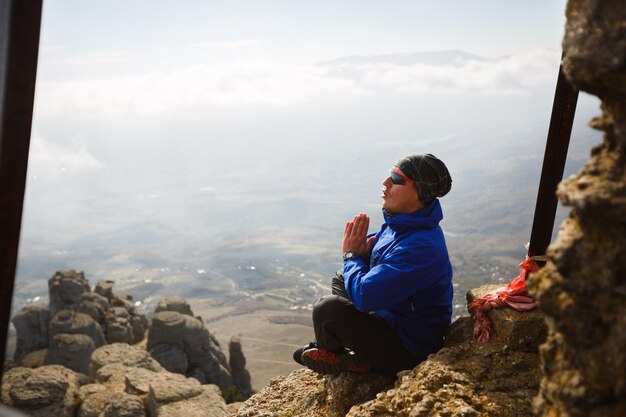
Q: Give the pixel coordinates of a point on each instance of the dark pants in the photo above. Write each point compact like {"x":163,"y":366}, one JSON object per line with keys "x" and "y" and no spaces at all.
{"x":339,"y":325}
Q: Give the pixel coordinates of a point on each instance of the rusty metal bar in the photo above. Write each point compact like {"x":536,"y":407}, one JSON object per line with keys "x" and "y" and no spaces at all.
{"x":20,"y":24}
{"x":561,"y":121}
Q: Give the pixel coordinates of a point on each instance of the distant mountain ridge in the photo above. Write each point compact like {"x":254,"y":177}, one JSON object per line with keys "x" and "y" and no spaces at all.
{"x":437,"y":58}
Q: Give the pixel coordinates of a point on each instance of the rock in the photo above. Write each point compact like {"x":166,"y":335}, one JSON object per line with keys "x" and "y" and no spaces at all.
{"x":237,"y":362}
{"x":65,"y":289}
{"x":43,"y":392}
{"x":123,"y":354}
{"x":306,"y":393}
{"x":582,"y":290}
{"x":167,"y":387}
{"x":118,"y":330}
{"x":139,"y":326}
{"x":89,"y":389}
{"x":171,"y":357}
{"x":459,"y":331}
{"x":94,"y":305}
{"x":174,"y":303}
{"x":511,"y":328}
{"x":191,"y":336}
{"x":67,"y":321}
{"x":31,"y":327}
{"x":105,"y":289}
{"x":71,"y":350}
{"x":34,"y":359}
{"x":112,"y":404}
{"x":460,"y":381}
{"x":208,"y":404}
{"x":168,"y":327}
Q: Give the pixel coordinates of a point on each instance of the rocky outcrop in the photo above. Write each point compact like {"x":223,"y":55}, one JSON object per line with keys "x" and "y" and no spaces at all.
{"x":43,"y":392}
{"x":308,"y":394}
{"x":583,"y":289}
{"x":77,"y":322}
{"x":31,"y":326}
{"x":65,"y":289}
{"x":124,"y":381}
{"x":181,"y":343}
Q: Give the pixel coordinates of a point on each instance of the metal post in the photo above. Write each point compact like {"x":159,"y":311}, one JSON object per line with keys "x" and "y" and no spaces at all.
{"x":20,"y":22}
{"x":561,"y":121}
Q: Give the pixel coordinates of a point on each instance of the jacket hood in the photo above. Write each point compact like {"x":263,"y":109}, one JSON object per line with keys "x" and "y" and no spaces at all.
{"x":425,"y":218}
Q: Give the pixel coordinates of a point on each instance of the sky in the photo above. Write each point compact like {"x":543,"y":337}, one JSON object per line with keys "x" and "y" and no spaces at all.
{"x":225,"y":104}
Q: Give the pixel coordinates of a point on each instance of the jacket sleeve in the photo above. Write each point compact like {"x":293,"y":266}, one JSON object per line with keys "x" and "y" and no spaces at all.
{"x":402,"y":273}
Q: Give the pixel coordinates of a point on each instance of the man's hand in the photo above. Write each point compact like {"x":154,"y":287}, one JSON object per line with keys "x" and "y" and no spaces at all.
{"x":354,"y":236}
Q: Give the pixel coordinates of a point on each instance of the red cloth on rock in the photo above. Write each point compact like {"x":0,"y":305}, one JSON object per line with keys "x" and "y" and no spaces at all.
{"x":514,"y":295}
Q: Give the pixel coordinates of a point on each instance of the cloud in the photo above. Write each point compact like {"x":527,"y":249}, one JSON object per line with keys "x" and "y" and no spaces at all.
{"x":198,"y":89}
{"x":226,"y":44}
{"x":49,"y":162}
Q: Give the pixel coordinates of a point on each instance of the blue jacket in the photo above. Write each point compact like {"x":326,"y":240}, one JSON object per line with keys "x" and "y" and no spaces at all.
{"x":407,"y":280}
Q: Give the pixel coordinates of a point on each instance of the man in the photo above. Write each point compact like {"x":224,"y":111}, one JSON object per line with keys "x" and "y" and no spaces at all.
{"x":392,"y":305}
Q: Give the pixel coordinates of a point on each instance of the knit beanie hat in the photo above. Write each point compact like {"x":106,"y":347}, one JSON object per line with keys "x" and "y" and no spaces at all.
{"x":430,"y":174}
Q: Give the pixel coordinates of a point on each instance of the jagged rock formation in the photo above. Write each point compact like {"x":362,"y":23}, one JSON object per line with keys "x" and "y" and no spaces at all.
{"x":76,"y":323}
{"x":499,"y":378}
{"x":237,"y":362}
{"x":181,"y":343}
{"x":124,"y":381}
{"x":583,"y":289}
{"x":307,"y":394}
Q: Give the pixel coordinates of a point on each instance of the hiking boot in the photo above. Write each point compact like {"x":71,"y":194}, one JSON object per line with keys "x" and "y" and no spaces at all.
{"x":297,"y":354}
{"x":326,"y":362}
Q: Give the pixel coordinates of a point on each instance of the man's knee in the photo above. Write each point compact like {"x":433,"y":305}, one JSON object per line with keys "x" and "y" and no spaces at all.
{"x":328,"y":307}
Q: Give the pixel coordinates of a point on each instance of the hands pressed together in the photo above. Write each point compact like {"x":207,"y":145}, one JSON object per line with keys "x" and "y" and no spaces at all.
{"x":354,"y":236}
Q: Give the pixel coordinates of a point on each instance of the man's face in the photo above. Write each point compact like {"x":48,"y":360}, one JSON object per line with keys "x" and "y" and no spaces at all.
{"x":400,"y":194}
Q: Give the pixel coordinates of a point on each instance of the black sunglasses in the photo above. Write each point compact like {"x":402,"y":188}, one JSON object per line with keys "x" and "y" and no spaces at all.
{"x":397,"y":179}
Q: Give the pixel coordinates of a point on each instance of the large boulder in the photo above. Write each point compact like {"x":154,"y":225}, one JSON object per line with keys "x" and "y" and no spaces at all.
{"x":94,"y":305}
{"x":512,"y":329}
{"x":185,"y":333}
{"x":71,"y":350}
{"x":65,"y":289}
{"x":174,"y":303}
{"x":209,"y":403}
{"x":305,"y":393}
{"x":31,"y":327}
{"x":71,"y":322}
{"x":47,"y":391}
{"x":123,"y":354}
{"x":104,"y":403}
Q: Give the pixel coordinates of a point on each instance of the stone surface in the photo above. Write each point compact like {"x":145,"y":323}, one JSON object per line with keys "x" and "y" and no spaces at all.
{"x":65,"y":289}
{"x":94,"y":305}
{"x":105,"y":289}
{"x":209,"y":403}
{"x":171,"y":357}
{"x":174,"y":303}
{"x":34,"y":359}
{"x":43,"y":392}
{"x":206,"y":361}
{"x":462,"y":381}
{"x":105,"y":403}
{"x":237,"y":362}
{"x":122,"y":354}
{"x":583,"y":289}
{"x":519,"y":330}
{"x":71,"y":350}
{"x":305,"y":393}
{"x":68,"y":321}
{"x":31,"y":327}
